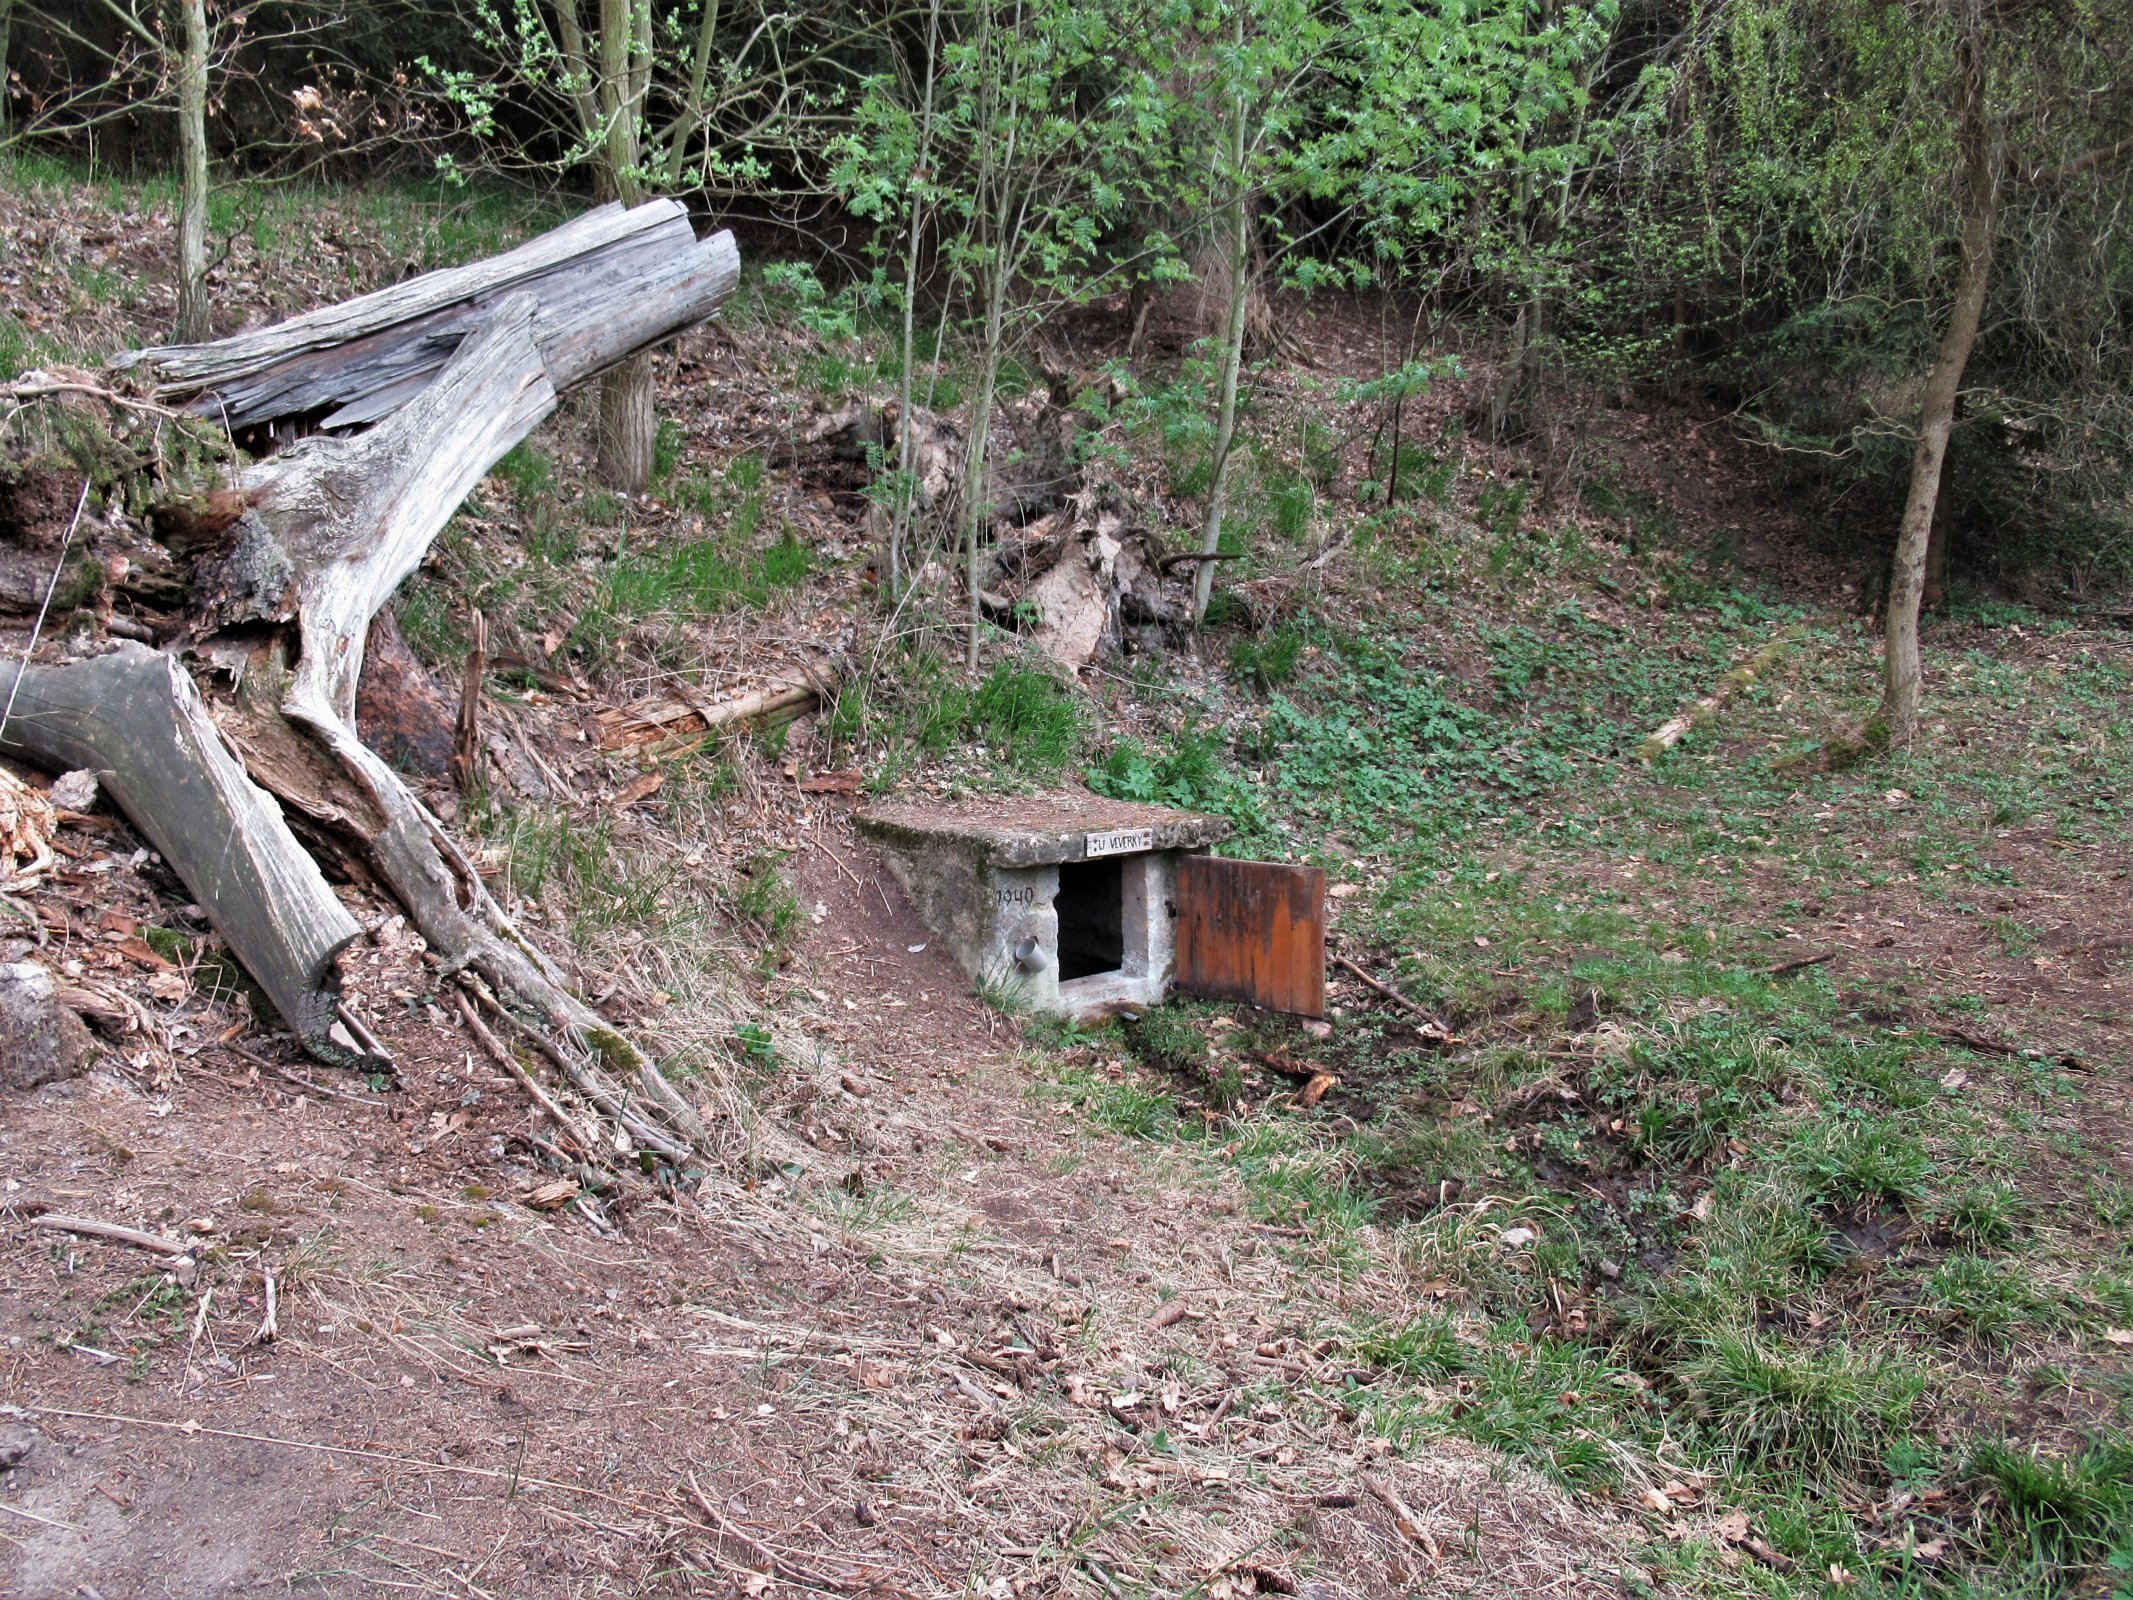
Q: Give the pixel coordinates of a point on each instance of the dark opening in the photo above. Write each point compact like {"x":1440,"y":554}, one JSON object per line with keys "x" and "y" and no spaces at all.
{"x":1092,"y":920}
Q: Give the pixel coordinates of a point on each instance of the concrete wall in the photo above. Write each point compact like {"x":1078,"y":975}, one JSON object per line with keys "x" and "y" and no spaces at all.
{"x":985,"y":913}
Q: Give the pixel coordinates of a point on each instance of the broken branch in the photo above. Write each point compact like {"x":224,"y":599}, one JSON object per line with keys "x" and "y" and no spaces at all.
{"x":112,"y":1233}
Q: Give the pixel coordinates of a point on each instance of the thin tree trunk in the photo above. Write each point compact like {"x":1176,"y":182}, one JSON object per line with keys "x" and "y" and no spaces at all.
{"x":1239,"y":243}
{"x":693,"y":114}
{"x":1508,"y":401}
{"x":974,"y":454}
{"x":1005,"y":225}
{"x":1935,"y":594}
{"x":626,"y":424}
{"x":7,"y":29}
{"x":1898,"y":715}
{"x":193,"y":321}
{"x":906,"y":437}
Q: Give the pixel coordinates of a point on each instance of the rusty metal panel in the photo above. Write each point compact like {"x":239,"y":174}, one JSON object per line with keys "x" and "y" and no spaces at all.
{"x":1253,"y":931}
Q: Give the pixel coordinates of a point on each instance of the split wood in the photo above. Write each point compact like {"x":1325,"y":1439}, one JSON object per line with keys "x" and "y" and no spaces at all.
{"x":410,"y":395}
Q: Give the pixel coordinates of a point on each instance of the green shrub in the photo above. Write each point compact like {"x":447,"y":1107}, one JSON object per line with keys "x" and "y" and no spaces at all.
{"x":1026,"y":717}
{"x":668,"y":442}
{"x":1862,"y":1161}
{"x":1425,"y":1349}
{"x":1991,"y":1300}
{"x":1269,"y":660}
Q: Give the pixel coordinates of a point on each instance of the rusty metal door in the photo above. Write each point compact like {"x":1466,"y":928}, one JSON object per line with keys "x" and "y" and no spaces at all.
{"x":1253,"y":931}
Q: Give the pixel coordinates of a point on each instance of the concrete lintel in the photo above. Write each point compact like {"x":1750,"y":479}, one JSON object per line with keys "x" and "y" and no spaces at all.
{"x":1042,"y":830}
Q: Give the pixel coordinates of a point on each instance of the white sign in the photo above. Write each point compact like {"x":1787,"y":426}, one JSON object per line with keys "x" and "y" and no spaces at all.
{"x":1120,"y":842}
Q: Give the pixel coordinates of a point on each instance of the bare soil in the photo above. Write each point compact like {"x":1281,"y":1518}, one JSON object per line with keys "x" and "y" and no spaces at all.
{"x":938,"y":1357}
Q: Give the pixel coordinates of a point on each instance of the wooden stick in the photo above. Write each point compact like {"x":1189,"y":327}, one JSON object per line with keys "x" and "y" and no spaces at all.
{"x":299,"y":1080}
{"x":526,"y":1080}
{"x":762,"y":1552}
{"x":1390,"y":993}
{"x":1403,"y":1517}
{"x":466,"y":752}
{"x":111,"y":1233}
{"x":49,"y":1522}
{"x":1802,"y":964}
{"x":270,"y":1324}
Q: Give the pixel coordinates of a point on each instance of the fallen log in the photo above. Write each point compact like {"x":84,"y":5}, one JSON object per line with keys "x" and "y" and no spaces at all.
{"x":665,"y":728}
{"x":1671,"y":732}
{"x":420,"y":389}
{"x":609,"y":283}
{"x":133,"y":717}
{"x":348,"y":520}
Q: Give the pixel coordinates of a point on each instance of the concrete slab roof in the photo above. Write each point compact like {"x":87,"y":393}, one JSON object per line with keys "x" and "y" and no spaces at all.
{"x":1043,"y":830}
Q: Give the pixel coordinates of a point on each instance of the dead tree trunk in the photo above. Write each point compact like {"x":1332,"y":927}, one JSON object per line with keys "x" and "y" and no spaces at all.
{"x":134,"y":718}
{"x":443,"y":375}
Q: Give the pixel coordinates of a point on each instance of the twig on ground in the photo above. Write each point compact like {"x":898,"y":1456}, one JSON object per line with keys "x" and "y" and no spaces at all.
{"x":773,"y":1563}
{"x":526,"y":1080}
{"x":1802,"y":964}
{"x":49,"y":1522}
{"x":112,"y":1233}
{"x":1403,"y":1516}
{"x":270,"y":1324}
{"x":1397,"y":998}
{"x":301,"y":1082}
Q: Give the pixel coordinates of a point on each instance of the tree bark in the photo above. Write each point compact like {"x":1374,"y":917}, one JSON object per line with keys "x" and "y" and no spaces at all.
{"x":331,"y":527}
{"x":1979,"y":184}
{"x":609,"y":282}
{"x":193,"y":308}
{"x":627,"y":425}
{"x":1935,"y":593}
{"x":351,"y":519}
{"x":973,"y":508}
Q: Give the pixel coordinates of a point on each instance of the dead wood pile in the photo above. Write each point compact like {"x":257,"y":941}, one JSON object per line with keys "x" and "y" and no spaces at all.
{"x":204,"y":659}
{"x":1075,"y":565}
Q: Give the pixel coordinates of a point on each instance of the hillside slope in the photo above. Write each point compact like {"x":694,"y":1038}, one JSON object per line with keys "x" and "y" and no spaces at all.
{"x":1737,"y":1204}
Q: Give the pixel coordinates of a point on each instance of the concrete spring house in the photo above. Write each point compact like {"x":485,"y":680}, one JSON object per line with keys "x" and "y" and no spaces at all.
{"x":1077,"y":904}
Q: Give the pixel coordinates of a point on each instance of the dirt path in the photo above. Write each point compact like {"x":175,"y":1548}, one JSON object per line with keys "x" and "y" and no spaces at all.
{"x":977,"y":1345}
